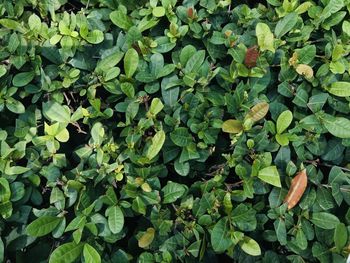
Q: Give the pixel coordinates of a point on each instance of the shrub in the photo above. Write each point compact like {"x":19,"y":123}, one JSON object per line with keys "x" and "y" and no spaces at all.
{"x":174,"y":131}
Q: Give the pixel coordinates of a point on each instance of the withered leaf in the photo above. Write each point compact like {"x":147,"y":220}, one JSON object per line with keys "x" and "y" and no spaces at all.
{"x":297,"y":189}
{"x":251,"y":56}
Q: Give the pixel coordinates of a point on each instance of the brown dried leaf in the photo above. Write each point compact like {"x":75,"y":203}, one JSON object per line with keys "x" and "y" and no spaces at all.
{"x":297,"y":189}
{"x":251,"y":56}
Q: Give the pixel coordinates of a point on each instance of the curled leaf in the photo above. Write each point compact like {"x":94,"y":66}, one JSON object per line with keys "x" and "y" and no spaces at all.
{"x":305,"y":70}
{"x":297,"y":189}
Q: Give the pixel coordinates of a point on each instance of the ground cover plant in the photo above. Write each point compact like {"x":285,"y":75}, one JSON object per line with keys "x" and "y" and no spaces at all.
{"x":174,"y":131}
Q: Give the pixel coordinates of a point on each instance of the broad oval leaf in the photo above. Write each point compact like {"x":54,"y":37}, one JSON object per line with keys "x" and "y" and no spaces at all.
{"x":324,"y":220}
{"x":115,"y":219}
{"x":265,"y":37}
{"x":297,"y":189}
{"x":338,"y":126}
{"x":286,"y":24}
{"x":43,"y":226}
{"x":131,"y":61}
{"x":66,"y":253}
{"x":157,"y":144}
{"x":250,"y":246}
{"x":232,"y":126}
{"x":258,"y":111}
{"x":22,"y":79}
{"x":220,"y":237}
{"x":340,"y":89}
{"x":172,"y":191}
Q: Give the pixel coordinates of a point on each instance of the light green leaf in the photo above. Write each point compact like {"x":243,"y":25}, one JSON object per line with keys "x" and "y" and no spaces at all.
{"x":172,"y":191}
{"x":324,"y":220}
{"x":340,"y":89}
{"x":250,"y":246}
{"x":338,"y":126}
{"x":286,"y":24}
{"x":346,"y":27}
{"x":157,"y":144}
{"x":43,"y":225}
{"x":90,"y":254}
{"x":97,"y":133}
{"x":284,"y":120}
{"x":66,"y":253}
{"x":115,"y":219}
{"x":131,"y":61}
{"x":265,"y":37}
{"x":270,"y":175}
{"x":156,"y":107}
{"x":232,"y":126}
{"x":56,"y":112}
{"x":120,"y":19}
{"x":34,"y":22}
{"x":158,"y":11}
{"x":128,"y":89}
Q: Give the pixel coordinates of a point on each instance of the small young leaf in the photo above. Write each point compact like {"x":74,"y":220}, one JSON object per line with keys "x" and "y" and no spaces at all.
{"x":250,"y":246}
{"x":305,"y":70}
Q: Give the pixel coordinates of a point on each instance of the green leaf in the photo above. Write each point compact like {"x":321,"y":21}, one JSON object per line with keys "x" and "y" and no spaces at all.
{"x":172,"y":191}
{"x":250,"y":246}
{"x":220,"y":236}
{"x":181,"y":137}
{"x":115,"y":219}
{"x":43,"y":226}
{"x":346,"y":27}
{"x":131,"y":61}
{"x":265,"y":37}
{"x":195,"y":62}
{"x":66,"y":253}
{"x":340,"y":236}
{"x":156,"y":107}
{"x":5,"y":192}
{"x":23,"y":79}
{"x":120,"y":19}
{"x":94,"y":37}
{"x":284,"y":120}
{"x":56,"y":112}
{"x":15,"y":106}
{"x":340,"y":89}
{"x":286,"y":24}
{"x":158,"y":11}
{"x":12,"y":24}
{"x":128,"y":89}
{"x":97,"y":133}
{"x":338,"y":126}
{"x":324,"y":220}
{"x":232,"y":126}
{"x":270,"y":175}
{"x":157,"y":144}
{"x":90,"y":254}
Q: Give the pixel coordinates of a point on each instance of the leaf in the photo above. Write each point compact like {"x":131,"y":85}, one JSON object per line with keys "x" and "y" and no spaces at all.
{"x":147,"y":238}
{"x":250,"y":246}
{"x":56,"y":112}
{"x":324,"y":220}
{"x":297,"y":189}
{"x":90,"y":254}
{"x":66,"y":253}
{"x":195,"y":61}
{"x":158,"y":11}
{"x":340,"y":236}
{"x":265,"y":37}
{"x":120,"y":19}
{"x":128,"y":89}
{"x":305,"y":70}
{"x":251,"y":57}
{"x":283,"y":121}
{"x":286,"y":24}
{"x":338,"y":126}
{"x":346,"y":27}
{"x":181,"y":137}
{"x":340,"y":89}
{"x":270,"y":175}
{"x":172,"y":191}
{"x":220,"y":238}
{"x":156,"y":107}
{"x":131,"y":61}
{"x":232,"y":126}
{"x":258,"y":111}
{"x":23,"y":79}
{"x":43,"y":225}
{"x":157,"y":144}
{"x":115,"y":219}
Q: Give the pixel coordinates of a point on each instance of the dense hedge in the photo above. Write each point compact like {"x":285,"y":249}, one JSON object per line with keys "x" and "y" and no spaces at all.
{"x":174,"y":131}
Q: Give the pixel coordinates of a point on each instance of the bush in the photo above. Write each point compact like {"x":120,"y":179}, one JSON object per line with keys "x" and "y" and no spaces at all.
{"x":174,"y":131}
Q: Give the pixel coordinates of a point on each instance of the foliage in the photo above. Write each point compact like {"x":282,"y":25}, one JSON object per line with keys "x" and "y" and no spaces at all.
{"x":174,"y":131}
